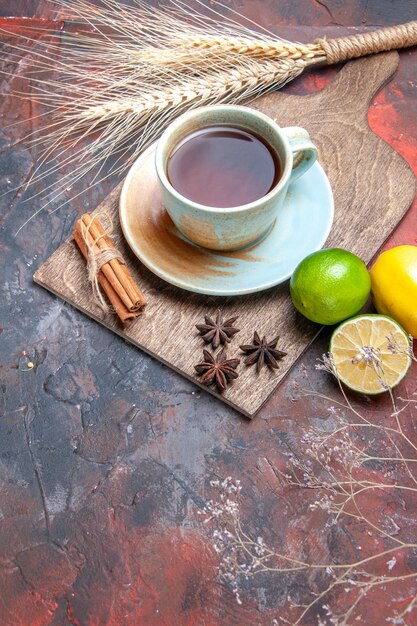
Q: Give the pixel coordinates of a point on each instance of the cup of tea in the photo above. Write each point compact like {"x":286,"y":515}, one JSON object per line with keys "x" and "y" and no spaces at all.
{"x":224,"y":171}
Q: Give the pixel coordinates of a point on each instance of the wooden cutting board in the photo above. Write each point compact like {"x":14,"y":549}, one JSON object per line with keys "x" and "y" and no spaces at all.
{"x":373,"y":188}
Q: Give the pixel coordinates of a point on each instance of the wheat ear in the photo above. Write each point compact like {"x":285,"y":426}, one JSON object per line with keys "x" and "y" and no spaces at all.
{"x":251,"y":46}
{"x":217,"y":86}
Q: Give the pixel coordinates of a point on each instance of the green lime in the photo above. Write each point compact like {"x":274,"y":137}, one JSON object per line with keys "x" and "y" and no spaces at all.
{"x":370,"y":353}
{"x":330,"y":285}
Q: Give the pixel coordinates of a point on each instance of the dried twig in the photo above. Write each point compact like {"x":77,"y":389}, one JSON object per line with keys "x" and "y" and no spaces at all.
{"x":334,"y":470}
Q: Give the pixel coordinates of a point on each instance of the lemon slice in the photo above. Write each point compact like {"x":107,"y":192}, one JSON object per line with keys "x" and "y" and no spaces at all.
{"x":371,"y":353}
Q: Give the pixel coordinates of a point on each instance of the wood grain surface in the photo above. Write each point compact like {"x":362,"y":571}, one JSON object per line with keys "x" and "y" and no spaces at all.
{"x":373,"y":188}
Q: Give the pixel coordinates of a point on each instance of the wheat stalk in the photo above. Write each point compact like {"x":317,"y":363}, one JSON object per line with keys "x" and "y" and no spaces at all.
{"x":127,"y":71}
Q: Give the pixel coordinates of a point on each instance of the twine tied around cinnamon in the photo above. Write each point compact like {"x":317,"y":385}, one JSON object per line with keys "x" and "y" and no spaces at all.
{"x":96,"y":259}
{"x":107,"y":270}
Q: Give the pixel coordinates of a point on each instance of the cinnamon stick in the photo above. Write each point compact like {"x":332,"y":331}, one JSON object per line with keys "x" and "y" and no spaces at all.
{"x":106,"y":269}
{"x":102,"y":240}
{"x":113,"y":277}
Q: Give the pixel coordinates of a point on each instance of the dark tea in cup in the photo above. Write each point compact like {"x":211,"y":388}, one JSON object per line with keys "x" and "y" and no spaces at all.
{"x":223,"y":167}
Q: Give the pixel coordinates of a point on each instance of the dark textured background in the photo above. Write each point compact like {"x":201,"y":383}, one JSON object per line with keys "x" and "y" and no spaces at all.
{"x":105,"y":454}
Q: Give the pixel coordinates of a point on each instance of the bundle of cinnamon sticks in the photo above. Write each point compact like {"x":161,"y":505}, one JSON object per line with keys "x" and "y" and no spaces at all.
{"x":113,"y":276}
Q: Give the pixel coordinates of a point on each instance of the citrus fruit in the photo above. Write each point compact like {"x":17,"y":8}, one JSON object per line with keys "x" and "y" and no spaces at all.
{"x":371,"y":353}
{"x":394,"y":286}
{"x":330,"y":285}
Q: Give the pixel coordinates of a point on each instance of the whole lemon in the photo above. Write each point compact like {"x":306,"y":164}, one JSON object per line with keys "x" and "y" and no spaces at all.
{"x":330,"y":285}
{"x":394,"y":286}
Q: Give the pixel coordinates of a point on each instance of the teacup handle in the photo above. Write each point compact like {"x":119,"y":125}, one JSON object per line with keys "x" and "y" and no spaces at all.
{"x":303,"y":149}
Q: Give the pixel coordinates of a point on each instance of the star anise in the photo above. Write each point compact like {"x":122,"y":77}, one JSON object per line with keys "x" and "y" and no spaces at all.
{"x":218,"y":331}
{"x":217,"y":369}
{"x":262,"y":352}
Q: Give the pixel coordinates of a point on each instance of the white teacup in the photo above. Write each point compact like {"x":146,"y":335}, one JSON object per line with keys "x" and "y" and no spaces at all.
{"x":231,"y":228}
